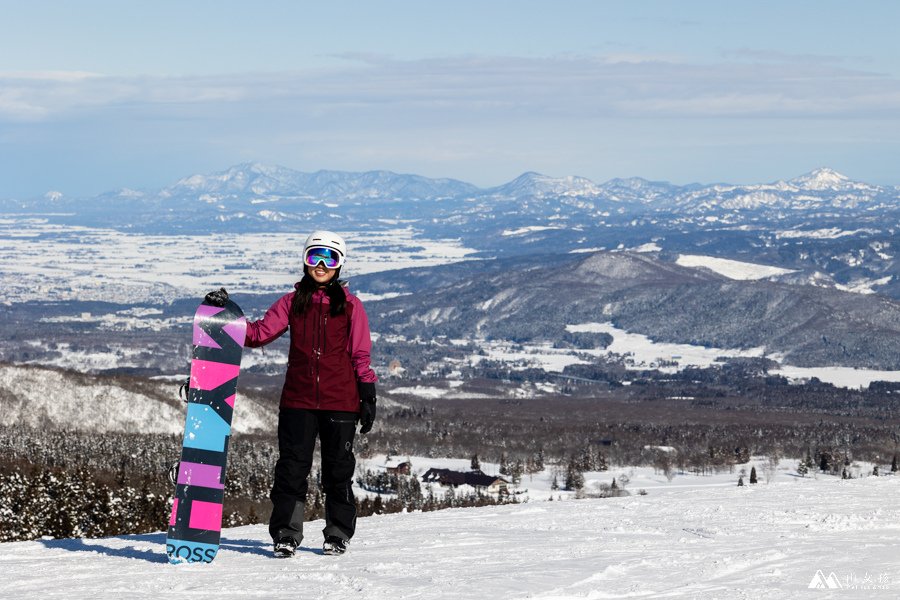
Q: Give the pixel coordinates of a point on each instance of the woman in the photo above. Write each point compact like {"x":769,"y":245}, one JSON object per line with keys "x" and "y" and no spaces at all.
{"x":329,"y":386}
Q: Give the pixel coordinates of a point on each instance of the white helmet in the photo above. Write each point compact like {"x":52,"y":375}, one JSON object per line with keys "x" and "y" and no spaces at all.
{"x":328,"y":240}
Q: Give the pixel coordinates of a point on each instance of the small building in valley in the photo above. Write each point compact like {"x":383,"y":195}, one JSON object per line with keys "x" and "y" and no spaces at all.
{"x":490,"y":483}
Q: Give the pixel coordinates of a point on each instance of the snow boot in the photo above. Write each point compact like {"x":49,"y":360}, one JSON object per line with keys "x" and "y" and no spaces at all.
{"x":334,"y":545}
{"x":285,"y":547}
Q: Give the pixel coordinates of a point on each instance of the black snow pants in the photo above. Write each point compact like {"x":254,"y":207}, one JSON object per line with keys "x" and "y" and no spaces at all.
{"x":297,"y":431}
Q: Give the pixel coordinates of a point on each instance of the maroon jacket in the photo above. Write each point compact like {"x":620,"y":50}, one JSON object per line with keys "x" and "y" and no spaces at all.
{"x":328,"y":354}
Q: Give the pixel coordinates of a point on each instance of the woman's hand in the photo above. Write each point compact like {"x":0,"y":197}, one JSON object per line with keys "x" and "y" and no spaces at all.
{"x":366,"y":406}
{"x":217,"y":298}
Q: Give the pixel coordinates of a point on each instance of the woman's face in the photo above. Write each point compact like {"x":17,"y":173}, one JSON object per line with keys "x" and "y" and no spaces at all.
{"x":320,"y":273}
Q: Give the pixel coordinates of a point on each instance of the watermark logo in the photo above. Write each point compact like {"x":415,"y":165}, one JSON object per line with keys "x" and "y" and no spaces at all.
{"x":849,"y":581}
{"x":820,"y":582}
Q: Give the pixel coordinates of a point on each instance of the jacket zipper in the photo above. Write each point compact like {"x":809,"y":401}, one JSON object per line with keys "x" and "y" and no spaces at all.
{"x":318,"y":352}
{"x":319,"y":347}
{"x":321,"y":351}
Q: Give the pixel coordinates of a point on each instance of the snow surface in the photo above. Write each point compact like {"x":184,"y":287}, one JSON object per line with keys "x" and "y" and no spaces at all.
{"x":829,"y":234}
{"x":733,"y":269}
{"x":41,"y":398}
{"x":864,"y":286}
{"x":641,"y":352}
{"x":847,"y":377}
{"x":529,"y":229}
{"x":42,"y":261}
{"x":761,"y":541}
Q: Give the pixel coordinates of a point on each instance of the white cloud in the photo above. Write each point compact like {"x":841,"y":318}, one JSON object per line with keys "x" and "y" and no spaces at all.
{"x":60,"y":76}
{"x":470,"y":88}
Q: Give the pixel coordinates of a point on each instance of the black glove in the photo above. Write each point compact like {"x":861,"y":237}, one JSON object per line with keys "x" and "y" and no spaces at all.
{"x":366,"y":406}
{"x":217,"y":298}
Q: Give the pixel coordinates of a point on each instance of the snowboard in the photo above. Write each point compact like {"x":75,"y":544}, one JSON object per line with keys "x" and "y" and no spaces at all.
{"x":196,"y":522}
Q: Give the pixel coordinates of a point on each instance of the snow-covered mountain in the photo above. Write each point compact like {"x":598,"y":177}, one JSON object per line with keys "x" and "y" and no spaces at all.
{"x":243,"y":187}
{"x":820,"y":189}
{"x":828,"y":179}
{"x":535,"y":185}
{"x":784,"y":224}
{"x":774,"y":540}
{"x":44,"y":398}
{"x":636,"y":190}
{"x":260,"y":181}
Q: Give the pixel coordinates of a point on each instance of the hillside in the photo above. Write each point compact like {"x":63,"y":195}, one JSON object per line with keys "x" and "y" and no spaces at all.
{"x":522,"y":301}
{"x":56,"y":399}
{"x":762,"y":541}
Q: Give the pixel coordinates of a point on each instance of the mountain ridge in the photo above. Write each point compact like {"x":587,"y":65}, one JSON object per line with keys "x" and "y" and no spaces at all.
{"x":819,"y":223}
{"x":271,"y":177}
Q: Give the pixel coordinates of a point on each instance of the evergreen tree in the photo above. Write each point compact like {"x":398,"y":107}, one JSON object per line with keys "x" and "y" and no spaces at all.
{"x":753,"y":475}
{"x":809,"y":461}
{"x":825,"y":462}
{"x":476,"y":464}
{"x":539,"y":461}
{"x":574,"y":478}
{"x":741,"y":481}
{"x":802,"y":469}
{"x":515,"y":471}
{"x":450,"y":497}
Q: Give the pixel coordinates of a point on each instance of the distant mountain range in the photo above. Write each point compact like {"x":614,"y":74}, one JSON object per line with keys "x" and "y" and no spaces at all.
{"x":826,"y":228}
{"x":256,"y":192}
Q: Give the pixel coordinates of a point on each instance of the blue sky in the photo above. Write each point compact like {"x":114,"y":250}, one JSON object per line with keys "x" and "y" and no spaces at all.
{"x":100,"y":95}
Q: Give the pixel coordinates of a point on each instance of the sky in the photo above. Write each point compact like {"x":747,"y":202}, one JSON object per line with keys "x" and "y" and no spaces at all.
{"x":98,"y":95}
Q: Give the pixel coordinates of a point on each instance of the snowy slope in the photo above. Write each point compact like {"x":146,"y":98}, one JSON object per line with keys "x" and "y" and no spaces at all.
{"x":763,"y":541}
{"x":46,"y":398}
{"x":733,"y":269}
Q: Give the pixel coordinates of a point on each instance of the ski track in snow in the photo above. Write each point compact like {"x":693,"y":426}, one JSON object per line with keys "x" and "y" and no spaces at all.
{"x":762,"y":541}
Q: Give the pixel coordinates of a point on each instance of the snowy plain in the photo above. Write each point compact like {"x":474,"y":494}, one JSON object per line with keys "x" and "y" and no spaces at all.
{"x":41,"y":260}
{"x":763,"y":541}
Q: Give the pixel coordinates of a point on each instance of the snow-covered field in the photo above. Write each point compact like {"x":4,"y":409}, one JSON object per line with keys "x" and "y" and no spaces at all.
{"x":733,"y":269}
{"x":643,"y":480}
{"x":740,"y":270}
{"x":43,"y":261}
{"x":640,"y":353}
{"x":763,"y":541}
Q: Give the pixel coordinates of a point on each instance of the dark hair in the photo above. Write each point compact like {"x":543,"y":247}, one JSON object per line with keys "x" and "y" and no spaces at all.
{"x":307,"y":287}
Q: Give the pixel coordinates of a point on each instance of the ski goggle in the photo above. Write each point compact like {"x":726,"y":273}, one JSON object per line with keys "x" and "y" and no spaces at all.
{"x":332,"y":259}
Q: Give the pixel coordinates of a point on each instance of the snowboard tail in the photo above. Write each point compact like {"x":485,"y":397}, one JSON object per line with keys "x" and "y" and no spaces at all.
{"x":196,"y":521}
